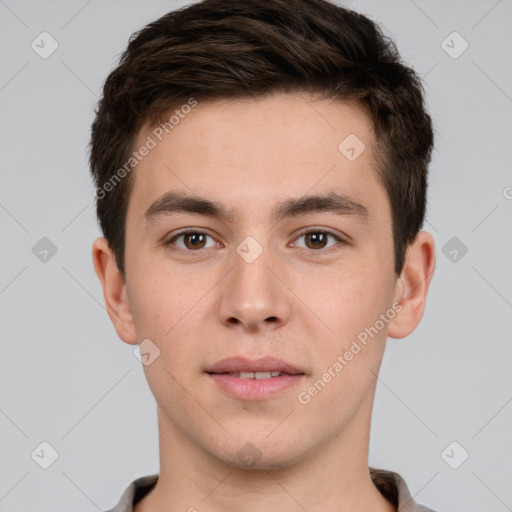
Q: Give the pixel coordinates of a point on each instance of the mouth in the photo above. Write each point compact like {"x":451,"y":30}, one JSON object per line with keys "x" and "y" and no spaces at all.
{"x":256,"y":379}
{"x":254,"y":375}
{"x":262,"y":368}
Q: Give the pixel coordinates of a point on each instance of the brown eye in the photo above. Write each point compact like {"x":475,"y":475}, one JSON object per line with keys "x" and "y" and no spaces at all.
{"x":316,"y":240}
{"x":190,"y":241}
{"x":194,"y":240}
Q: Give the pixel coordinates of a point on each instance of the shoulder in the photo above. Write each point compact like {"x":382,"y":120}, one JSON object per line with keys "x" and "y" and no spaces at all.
{"x":134,"y":493}
{"x":394,"y":488}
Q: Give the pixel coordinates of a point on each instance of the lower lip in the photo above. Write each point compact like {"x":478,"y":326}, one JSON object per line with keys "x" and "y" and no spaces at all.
{"x":254,"y":389}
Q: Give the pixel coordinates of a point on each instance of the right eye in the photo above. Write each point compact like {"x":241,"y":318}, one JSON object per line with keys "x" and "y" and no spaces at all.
{"x":192,"y":240}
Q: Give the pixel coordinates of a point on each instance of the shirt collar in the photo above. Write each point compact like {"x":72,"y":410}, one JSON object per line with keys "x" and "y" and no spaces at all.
{"x":390,"y":484}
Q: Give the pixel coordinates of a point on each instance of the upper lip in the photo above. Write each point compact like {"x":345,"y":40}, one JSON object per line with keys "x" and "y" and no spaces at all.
{"x":263,"y":364}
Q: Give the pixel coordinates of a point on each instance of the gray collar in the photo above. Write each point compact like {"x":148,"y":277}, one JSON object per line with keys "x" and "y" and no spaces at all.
{"x":390,"y":484}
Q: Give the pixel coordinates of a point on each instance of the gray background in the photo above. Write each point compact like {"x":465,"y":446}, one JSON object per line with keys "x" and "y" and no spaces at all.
{"x":65,"y":377}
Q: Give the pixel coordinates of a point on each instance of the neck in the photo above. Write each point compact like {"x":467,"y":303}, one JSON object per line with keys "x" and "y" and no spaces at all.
{"x":333,"y":478}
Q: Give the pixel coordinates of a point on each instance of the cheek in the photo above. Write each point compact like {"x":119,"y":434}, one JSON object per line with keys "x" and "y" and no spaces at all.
{"x":345,"y":301}
{"x":169,"y":309}
{"x":350,"y":357}
{"x":161,"y":299}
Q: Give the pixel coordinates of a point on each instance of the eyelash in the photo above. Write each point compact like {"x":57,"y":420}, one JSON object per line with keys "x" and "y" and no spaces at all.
{"x":309,"y":252}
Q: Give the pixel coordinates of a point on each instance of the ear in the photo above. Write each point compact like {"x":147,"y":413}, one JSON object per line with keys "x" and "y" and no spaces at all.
{"x":412,"y":285}
{"x":114,"y":290}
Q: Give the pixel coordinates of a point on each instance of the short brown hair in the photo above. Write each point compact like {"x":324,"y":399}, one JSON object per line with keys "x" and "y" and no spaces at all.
{"x":218,"y":49}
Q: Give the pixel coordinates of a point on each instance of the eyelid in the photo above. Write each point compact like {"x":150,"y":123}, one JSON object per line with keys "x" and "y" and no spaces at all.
{"x":318,"y":229}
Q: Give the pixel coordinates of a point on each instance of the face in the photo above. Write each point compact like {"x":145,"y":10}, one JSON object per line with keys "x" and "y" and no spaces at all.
{"x":258,"y":309}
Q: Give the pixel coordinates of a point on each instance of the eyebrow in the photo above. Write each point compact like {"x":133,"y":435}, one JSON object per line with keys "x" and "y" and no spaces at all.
{"x":179,"y":202}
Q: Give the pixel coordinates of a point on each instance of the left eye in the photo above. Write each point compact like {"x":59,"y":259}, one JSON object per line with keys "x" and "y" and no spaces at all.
{"x":318,"y":239}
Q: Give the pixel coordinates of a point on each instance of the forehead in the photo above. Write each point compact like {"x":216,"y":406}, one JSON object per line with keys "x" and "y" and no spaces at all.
{"x":250,"y":153}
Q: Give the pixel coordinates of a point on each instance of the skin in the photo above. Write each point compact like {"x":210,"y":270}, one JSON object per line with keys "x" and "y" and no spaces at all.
{"x":207,"y":304}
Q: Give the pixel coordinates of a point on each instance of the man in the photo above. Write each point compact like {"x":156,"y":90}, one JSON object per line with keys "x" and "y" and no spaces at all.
{"x":261,"y":175}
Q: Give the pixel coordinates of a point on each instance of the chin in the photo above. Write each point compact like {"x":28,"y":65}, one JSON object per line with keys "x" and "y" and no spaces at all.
{"x":260,"y":454}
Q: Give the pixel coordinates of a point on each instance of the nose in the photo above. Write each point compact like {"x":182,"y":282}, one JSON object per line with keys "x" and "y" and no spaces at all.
{"x":252,"y":296}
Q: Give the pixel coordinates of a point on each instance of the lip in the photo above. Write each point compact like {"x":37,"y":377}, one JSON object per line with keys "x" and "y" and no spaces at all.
{"x":254,"y":389}
{"x":262,"y":364}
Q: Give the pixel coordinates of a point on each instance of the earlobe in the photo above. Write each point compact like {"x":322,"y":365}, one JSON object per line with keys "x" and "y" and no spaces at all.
{"x":114,"y":290}
{"x":413,"y":284}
